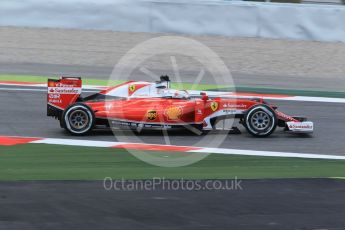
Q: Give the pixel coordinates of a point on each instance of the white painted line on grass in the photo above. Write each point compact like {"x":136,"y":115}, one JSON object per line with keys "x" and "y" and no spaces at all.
{"x":88,"y":143}
{"x":71,"y":142}
{"x":268,"y":153}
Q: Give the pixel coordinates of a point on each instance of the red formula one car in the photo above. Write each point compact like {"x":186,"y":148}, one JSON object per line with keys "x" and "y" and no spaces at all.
{"x":145,"y":105}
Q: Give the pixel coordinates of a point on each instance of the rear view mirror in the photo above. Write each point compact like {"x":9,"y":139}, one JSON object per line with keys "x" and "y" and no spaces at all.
{"x":204,"y":97}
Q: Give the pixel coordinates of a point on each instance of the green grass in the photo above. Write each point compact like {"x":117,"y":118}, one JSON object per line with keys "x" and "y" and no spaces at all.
{"x":43,"y":79}
{"x":98,"y":82}
{"x":54,"y":162}
{"x":23,"y":78}
{"x":187,"y":86}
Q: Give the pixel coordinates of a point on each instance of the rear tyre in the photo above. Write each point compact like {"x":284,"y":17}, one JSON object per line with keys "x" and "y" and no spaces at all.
{"x":78,"y":119}
{"x":260,"y":120}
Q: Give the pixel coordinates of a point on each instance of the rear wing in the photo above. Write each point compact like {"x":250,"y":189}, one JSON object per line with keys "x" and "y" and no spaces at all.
{"x":62,"y":93}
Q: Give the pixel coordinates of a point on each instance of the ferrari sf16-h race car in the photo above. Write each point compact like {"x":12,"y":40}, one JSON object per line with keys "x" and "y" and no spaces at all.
{"x":144,"y":105}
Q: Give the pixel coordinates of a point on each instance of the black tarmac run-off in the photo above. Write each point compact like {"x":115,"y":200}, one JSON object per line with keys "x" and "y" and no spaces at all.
{"x":261,"y":204}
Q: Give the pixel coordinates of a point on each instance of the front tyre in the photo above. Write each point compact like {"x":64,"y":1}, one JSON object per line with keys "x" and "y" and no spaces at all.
{"x":78,"y":119}
{"x":260,"y":120}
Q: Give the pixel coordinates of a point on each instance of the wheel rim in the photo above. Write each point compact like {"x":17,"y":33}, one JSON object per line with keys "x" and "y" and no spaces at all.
{"x":78,"y":119}
{"x":260,"y":120}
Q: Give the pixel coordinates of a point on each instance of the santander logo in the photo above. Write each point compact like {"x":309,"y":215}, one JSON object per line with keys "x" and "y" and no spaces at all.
{"x":300,"y":126}
{"x":62,"y":90}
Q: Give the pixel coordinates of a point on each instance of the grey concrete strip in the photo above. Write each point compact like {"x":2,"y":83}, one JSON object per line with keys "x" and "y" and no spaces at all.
{"x":261,"y":204}
{"x":103,"y":48}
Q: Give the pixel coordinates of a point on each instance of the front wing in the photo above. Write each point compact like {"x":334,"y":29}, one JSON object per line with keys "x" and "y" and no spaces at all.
{"x":300,"y":127}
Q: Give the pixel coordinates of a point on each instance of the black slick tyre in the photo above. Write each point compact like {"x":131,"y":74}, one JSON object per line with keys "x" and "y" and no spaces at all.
{"x":260,"y":120}
{"x":78,"y":119}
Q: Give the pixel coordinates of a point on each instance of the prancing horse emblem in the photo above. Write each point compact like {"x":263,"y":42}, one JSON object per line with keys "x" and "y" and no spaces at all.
{"x":214,"y":106}
{"x":132,"y":88}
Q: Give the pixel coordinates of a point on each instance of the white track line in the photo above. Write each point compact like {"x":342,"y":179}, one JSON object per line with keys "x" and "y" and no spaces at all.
{"x":23,"y":89}
{"x":268,"y":153}
{"x":71,"y":142}
{"x":88,"y":143}
{"x":308,"y":99}
{"x":40,"y":90}
{"x":45,"y":85}
{"x":319,"y":99}
{"x":292,"y":98}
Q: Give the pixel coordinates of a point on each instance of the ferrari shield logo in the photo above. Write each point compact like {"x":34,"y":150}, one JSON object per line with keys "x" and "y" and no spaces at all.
{"x":131,"y":88}
{"x":214,"y":106}
{"x":151,"y":115}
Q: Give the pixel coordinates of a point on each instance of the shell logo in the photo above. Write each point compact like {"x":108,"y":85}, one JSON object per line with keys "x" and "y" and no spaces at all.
{"x":131,"y":88}
{"x":214,"y":106}
{"x":174,"y":113}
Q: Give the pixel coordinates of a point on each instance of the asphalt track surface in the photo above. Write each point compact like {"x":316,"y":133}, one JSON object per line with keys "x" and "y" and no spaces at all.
{"x":291,"y":204}
{"x":24,"y":114}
